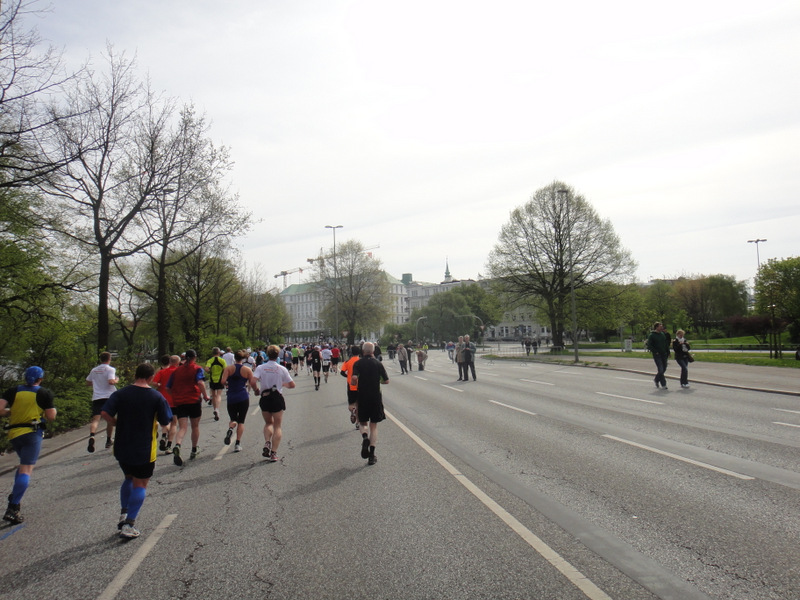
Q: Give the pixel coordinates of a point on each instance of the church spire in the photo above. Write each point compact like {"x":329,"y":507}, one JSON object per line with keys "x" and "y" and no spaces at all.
{"x":447,"y":277}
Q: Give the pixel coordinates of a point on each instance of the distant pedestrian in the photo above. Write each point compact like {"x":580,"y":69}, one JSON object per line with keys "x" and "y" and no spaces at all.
{"x":402,"y":358}
{"x":682,"y":355}
{"x":135,"y":410}
{"x":422,"y":356}
{"x":460,"y":358}
{"x":658,"y":344}
{"x":368,"y":375}
{"x":103,"y":381}
{"x":469,"y":359}
{"x":27,"y":406}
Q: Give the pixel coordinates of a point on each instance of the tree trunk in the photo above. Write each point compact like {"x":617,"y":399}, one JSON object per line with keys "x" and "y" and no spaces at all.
{"x":102,"y":303}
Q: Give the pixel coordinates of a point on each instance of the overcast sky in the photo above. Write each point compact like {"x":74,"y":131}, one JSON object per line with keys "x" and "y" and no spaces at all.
{"x":420,"y":125}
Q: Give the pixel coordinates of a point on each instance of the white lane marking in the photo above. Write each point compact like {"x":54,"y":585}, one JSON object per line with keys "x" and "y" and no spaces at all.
{"x":629,"y":398}
{"x":785,"y":424}
{"x":222,"y":451}
{"x":630,"y":379}
{"x":522,"y":410}
{"x":256,"y":411}
{"x":538,"y":382}
{"x":129,"y":569}
{"x":450,"y":387}
{"x":681,"y":458}
{"x":794,"y":412}
{"x":567,"y":371}
{"x":422,"y":378}
{"x":575,"y":577}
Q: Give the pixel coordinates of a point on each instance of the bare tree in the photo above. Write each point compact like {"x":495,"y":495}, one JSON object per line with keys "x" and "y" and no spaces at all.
{"x":193,"y":209}
{"x":102,"y":194}
{"x":29,"y":76}
{"x":553,"y":239}
{"x":357,"y":290}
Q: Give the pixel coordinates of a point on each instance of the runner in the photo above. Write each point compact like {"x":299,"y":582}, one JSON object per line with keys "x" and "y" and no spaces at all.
{"x":326,"y":360}
{"x":187,"y":388}
{"x":316,"y":366}
{"x":268,"y":382}
{"x":309,"y":359}
{"x":295,"y":358}
{"x":26,"y":407}
{"x":352,"y":390}
{"x":214,"y":367}
{"x":103,"y":381}
{"x":368,"y":375}
{"x":135,"y":410}
{"x":160,"y":383}
{"x":335,"y":357}
{"x":236,"y":378}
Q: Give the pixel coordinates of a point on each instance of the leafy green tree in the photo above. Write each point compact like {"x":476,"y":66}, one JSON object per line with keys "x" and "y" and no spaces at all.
{"x":710,"y":299}
{"x":554,"y":240}
{"x":662,"y":304}
{"x":606,"y":307}
{"x":777,"y":293}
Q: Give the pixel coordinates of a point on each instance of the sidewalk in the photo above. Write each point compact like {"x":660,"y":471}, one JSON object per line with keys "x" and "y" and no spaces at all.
{"x":761,"y":379}
{"x":774,"y":380}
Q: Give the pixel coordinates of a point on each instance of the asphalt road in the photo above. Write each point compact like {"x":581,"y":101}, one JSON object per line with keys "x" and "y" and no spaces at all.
{"x":537,"y":481}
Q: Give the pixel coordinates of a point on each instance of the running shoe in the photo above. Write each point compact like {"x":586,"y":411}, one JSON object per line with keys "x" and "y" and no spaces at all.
{"x":168,"y":449}
{"x":273,"y":457}
{"x":228,"y":437}
{"x":372,"y":460}
{"x":365,"y":448}
{"x":216,"y":415}
{"x":353,"y":417}
{"x":90,"y":448}
{"x":176,"y":456}
{"x":194,"y":453}
{"x":162,"y":444}
{"x":128,"y":531}
{"x":109,"y":443}
{"x":123,"y":516}
{"x":267,"y":449}
{"x":13,"y":515}
{"x":237,"y":447}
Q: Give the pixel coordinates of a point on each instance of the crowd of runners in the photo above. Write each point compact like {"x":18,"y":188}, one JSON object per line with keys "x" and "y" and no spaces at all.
{"x":173,"y":397}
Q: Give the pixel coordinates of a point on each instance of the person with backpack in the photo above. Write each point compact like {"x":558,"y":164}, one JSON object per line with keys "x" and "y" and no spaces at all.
{"x":214,"y":367}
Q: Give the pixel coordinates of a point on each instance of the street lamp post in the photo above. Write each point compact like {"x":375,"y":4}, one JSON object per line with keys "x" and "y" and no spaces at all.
{"x":565,"y":194}
{"x":758,"y":256}
{"x":416,"y":329}
{"x":335,"y":281}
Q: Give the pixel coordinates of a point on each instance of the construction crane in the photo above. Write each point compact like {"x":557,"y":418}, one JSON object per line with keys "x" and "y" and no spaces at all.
{"x":284,"y":274}
{"x":321,"y":259}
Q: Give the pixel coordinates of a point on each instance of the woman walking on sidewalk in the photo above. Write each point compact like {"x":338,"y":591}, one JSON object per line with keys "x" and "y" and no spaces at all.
{"x":682,"y":355}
